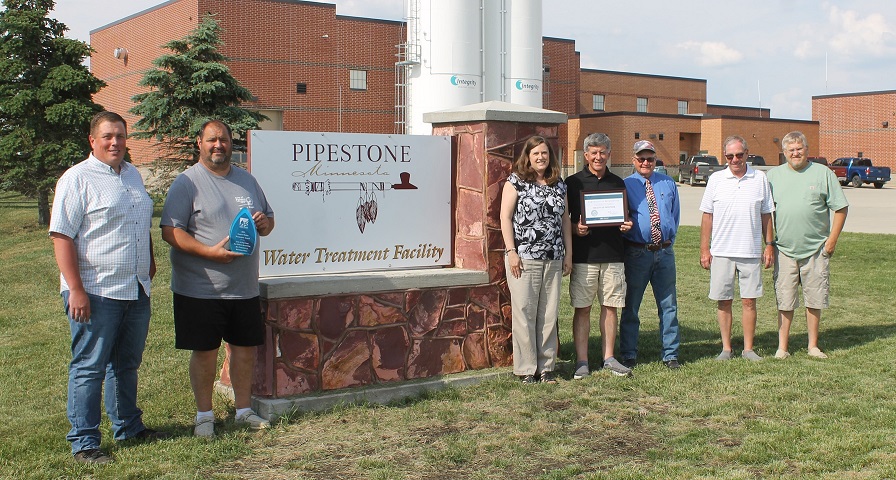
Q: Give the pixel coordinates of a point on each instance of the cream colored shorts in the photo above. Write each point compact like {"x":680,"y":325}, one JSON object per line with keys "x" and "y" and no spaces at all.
{"x":606,"y":281}
{"x":812,"y":273}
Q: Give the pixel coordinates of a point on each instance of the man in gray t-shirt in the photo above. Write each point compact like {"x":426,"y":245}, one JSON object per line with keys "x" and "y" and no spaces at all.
{"x":215,"y":290}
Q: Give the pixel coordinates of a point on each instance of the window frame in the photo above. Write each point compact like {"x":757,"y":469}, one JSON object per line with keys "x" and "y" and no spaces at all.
{"x":638,"y":106}
{"x":357,"y":80}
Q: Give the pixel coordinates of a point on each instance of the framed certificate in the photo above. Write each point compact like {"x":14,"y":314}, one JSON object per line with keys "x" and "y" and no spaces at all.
{"x":605,"y":208}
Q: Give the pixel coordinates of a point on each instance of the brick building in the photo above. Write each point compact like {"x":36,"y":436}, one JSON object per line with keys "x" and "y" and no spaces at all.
{"x":307,"y":68}
{"x":672,"y":113}
{"x":738,"y":111}
{"x":857,"y":124}
{"x":310,"y":69}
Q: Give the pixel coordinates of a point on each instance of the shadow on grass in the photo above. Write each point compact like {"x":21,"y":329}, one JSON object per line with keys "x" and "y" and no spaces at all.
{"x":836,"y":338}
{"x":699,"y":344}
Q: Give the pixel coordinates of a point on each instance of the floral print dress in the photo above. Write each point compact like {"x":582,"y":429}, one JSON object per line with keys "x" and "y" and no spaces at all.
{"x":538,"y":219}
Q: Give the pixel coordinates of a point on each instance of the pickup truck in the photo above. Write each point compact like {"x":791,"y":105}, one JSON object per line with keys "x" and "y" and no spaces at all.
{"x":859,"y":171}
{"x":698,"y":169}
{"x":757,"y":162}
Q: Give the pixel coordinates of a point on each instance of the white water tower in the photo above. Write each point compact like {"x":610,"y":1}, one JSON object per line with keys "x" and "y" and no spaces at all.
{"x":461,"y":52}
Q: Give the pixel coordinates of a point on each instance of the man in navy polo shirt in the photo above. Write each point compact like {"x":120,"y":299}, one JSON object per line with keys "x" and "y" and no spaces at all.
{"x":597,"y":268}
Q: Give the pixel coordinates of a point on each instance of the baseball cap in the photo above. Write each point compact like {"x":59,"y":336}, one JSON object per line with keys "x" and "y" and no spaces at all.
{"x":642,"y":145}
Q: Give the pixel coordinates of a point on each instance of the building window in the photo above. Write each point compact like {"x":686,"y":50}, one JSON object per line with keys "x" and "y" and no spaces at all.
{"x":597,"y":103}
{"x":642,"y":104}
{"x":682,"y":107}
{"x":357,"y":79}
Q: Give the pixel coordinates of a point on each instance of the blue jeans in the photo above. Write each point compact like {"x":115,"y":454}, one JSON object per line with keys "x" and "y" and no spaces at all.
{"x":657,"y":268}
{"x":109,"y":347}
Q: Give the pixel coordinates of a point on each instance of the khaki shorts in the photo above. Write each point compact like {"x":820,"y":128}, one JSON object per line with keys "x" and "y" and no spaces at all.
{"x":604,"y":280}
{"x":723,"y":271}
{"x":813,"y":273}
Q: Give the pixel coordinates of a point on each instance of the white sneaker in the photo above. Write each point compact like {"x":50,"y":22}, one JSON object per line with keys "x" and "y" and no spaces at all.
{"x":205,"y":428}
{"x":814,"y":352}
{"x":782,"y":354}
{"x":254,"y":421}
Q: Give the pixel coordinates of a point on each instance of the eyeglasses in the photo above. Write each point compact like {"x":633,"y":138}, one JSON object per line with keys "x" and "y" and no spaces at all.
{"x":645,"y":159}
{"x":730,"y":156}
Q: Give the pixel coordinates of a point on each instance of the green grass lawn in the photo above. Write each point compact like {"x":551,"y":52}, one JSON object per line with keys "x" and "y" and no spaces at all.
{"x":799,"y":418}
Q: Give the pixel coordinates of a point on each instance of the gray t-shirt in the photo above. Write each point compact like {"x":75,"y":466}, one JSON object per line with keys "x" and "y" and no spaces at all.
{"x":204,"y":205}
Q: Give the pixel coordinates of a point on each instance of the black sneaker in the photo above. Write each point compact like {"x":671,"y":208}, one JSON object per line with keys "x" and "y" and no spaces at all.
{"x":672,"y":364}
{"x":630,"y":362}
{"x":93,"y":455}
{"x":548,"y":377}
{"x":149,"y":435}
{"x":528,"y":379}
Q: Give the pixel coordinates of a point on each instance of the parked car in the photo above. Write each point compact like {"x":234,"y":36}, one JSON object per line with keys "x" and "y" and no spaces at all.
{"x":858,"y":171}
{"x":698,"y":168}
{"x":819,"y":160}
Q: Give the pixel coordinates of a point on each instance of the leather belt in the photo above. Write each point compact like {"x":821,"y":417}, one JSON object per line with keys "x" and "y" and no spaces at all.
{"x":650,"y":247}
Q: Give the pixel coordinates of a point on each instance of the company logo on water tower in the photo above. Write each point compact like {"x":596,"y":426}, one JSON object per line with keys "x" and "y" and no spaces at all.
{"x":527,"y":85}
{"x":463,"y":82}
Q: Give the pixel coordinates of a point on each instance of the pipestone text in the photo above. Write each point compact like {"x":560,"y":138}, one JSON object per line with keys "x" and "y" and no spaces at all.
{"x":332,"y":152}
{"x":325,"y":255}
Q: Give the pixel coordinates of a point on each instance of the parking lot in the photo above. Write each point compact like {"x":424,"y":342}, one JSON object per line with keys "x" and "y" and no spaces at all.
{"x":870,"y":210}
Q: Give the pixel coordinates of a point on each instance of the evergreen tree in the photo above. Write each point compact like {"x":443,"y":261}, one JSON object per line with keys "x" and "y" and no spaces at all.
{"x":188,"y":87}
{"x":45,"y":101}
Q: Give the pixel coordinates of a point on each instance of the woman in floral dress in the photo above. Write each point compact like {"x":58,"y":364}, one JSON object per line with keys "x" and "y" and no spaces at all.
{"x":538,"y":252}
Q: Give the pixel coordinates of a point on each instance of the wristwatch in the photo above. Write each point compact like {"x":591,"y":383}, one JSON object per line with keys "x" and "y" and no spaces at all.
{"x":507,"y":251}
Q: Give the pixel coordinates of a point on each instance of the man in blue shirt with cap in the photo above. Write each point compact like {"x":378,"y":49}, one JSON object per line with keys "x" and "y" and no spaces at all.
{"x":654,"y":209}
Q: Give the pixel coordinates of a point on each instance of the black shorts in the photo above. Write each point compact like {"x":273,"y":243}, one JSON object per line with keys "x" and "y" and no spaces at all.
{"x":201,"y":323}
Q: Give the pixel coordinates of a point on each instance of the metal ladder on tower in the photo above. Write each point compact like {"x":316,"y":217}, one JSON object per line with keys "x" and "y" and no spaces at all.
{"x":408,"y":56}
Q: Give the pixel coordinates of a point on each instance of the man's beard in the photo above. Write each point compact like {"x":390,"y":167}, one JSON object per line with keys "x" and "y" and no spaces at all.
{"x":219,"y":160}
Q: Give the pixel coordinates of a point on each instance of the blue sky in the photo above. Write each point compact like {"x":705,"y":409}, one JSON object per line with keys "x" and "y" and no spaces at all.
{"x":777,"y":52}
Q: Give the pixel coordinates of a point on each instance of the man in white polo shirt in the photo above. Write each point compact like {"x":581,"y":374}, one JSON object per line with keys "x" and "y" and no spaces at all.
{"x":737,"y":211}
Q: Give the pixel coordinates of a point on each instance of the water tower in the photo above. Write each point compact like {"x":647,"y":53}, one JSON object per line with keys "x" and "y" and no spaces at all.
{"x":461,"y":52}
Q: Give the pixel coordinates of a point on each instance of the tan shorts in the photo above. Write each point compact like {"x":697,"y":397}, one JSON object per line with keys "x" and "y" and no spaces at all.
{"x":724,"y":271}
{"x":813,"y":273}
{"x":606,"y":281}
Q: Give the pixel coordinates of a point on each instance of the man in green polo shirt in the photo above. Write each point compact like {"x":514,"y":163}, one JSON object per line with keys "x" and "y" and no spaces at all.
{"x":805,"y":194}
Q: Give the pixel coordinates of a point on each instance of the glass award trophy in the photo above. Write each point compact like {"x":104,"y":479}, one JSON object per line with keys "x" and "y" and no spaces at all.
{"x":243,"y":234}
